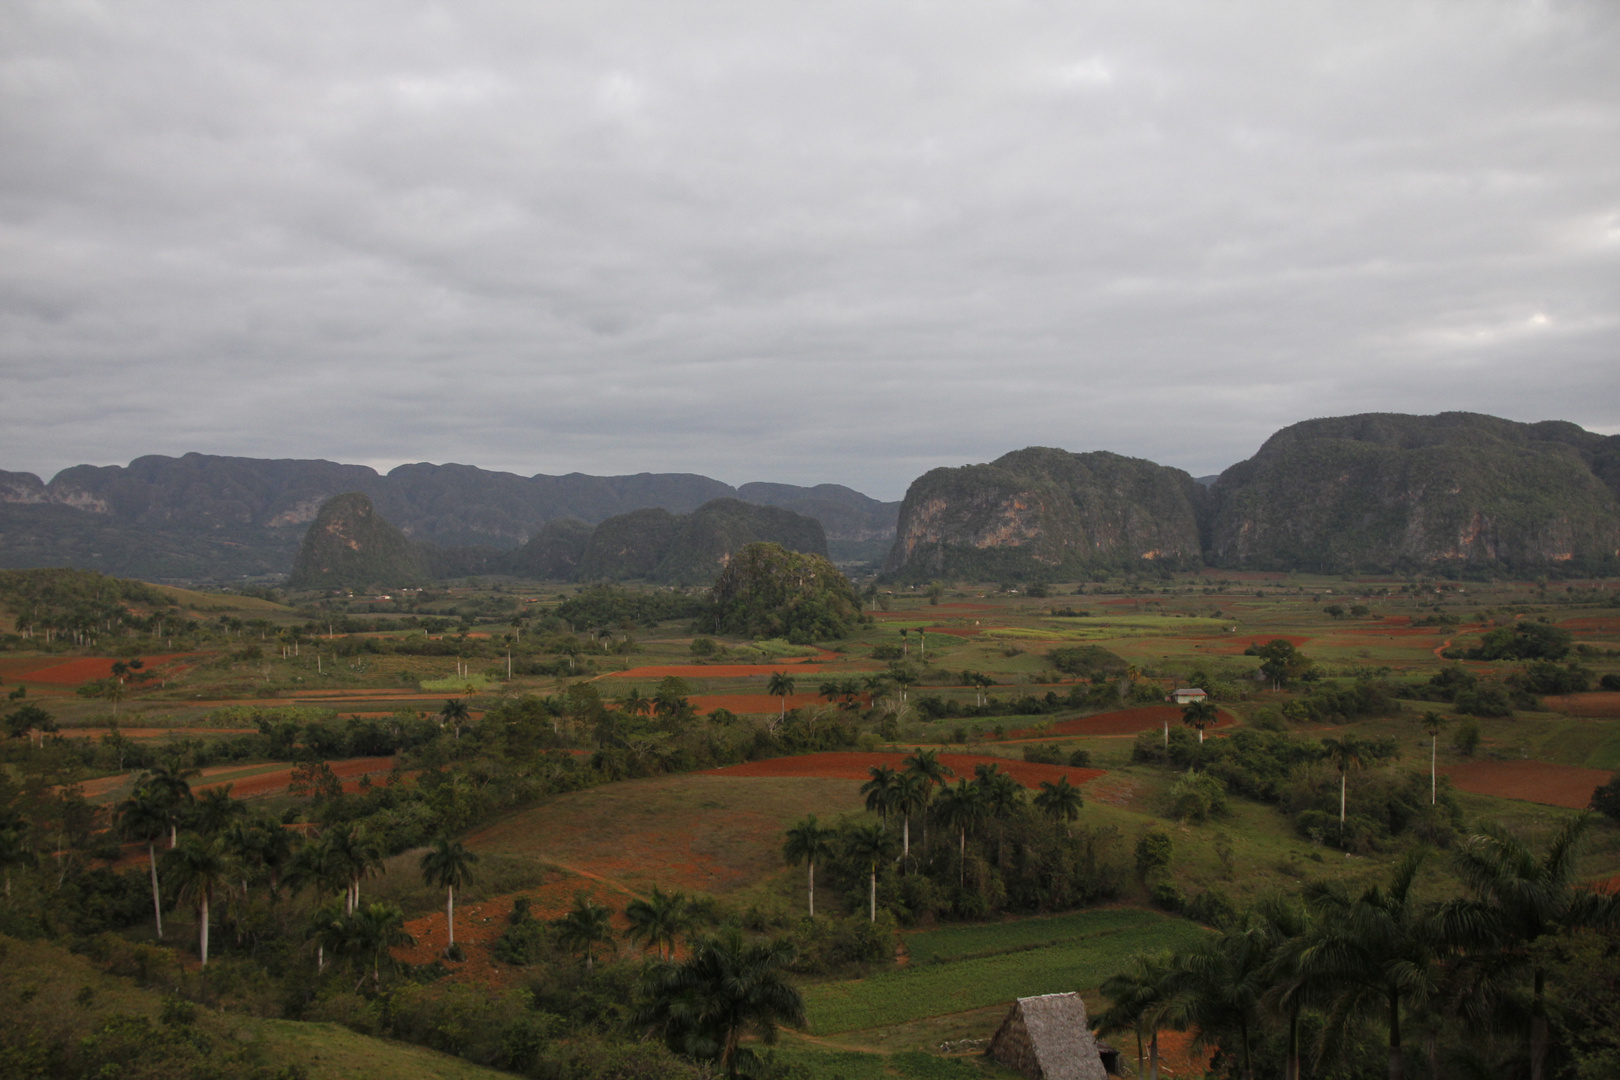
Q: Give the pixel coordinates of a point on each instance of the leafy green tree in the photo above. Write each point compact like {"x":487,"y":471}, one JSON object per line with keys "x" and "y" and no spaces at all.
{"x":200,"y":871}
{"x":961,"y":808}
{"x":1517,"y":901}
{"x":1060,"y":801}
{"x":1434,"y":724}
{"x":144,"y":817}
{"x":370,"y":934}
{"x":728,"y":988}
{"x":781,"y":685}
{"x":1378,"y":949}
{"x":1142,"y":1000}
{"x":586,"y":926}
{"x":659,"y":920}
{"x":869,"y":846}
{"x":879,"y":790}
{"x":448,"y":865}
{"x":1280,"y":662}
{"x":1200,"y":715}
{"x":809,"y":843}
{"x":456,"y":714}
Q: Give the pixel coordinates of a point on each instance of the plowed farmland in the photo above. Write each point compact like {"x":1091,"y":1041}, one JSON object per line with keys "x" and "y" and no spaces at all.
{"x":1532,"y":781}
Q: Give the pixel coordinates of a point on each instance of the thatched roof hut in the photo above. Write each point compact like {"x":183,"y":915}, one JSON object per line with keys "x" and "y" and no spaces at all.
{"x":1048,"y":1038}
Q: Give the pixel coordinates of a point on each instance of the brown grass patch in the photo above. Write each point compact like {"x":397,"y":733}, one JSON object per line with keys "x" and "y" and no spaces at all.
{"x":1533,"y":781}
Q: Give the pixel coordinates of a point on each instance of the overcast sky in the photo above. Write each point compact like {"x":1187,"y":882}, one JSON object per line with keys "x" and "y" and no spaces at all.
{"x":794,"y":241}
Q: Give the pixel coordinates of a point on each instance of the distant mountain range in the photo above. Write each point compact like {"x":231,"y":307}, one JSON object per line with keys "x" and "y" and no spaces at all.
{"x":1376,"y":492}
{"x":207,"y":518}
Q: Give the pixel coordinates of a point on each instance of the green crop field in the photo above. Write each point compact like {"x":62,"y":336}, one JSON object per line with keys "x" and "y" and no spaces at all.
{"x":921,"y":990}
{"x":969,"y":941}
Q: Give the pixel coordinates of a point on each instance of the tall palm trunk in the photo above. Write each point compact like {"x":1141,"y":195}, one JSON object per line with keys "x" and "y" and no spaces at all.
{"x":450,"y":913}
{"x":202,"y":929}
{"x":961,"y":861}
{"x":874,"y":893}
{"x":1153,"y":1056}
{"x":905,"y":837}
{"x":157,"y":901}
{"x":812,"y":888}
{"x":1538,"y":1028}
{"x":1291,"y":1065}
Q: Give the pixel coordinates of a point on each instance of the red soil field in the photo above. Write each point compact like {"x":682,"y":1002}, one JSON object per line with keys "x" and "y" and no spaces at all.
{"x":718,"y":671}
{"x":1605,"y":885}
{"x":1533,"y":781}
{"x":854,"y":765}
{"x":271,"y":783}
{"x":479,"y":925}
{"x":1592,"y":622}
{"x":86,"y":668}
{"x":1231,"y":643}
{"x":1597,"y":704}
{"x":1121,"y":722}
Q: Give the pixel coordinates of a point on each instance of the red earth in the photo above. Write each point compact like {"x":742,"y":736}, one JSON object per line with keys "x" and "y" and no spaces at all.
{"x":1533,"y":781}
{"x":1593,"y":622}
{"x":1597,"y":704}
{"x":272,"y":783}
{"x":86,"y":668}
{"x":855,"y":765}
{"x":1121,"y":722}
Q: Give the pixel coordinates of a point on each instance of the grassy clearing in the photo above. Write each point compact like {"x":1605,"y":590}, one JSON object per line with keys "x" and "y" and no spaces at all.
{"x":494,"y":875}
{"x":969,"y":941}
{"x":918,"y":991}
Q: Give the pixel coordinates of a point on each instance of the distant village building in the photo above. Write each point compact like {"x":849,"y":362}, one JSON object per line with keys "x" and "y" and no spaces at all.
{"x":1049,"y":1038}
{"x":1187,"y":695}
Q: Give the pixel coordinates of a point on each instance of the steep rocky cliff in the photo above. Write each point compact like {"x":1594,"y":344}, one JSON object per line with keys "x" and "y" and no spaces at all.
{"x":1044,"y":513}
{"x":692,"y":548}
{"x":1385,"y":491}
{"x":351,"y":545}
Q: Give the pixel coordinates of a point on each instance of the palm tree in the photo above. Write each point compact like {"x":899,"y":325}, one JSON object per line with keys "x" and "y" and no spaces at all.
{"x":1434,"y":724}
{"x":15,"y":850}
{"x":449,"y":866}
{"x":1200,"y":715}
{"x":455,"y":713}
{"x":869,"y":846}
{"x":808,"y":842}
{"x":199,"y":870}
{"x":327,"y":932}
{"x":634,"y":704}
{"x":1517,"y":900}
{"x":1377,"y":950}
{"x":960,"y":808}
{"x":352,"y":853}
{"x":926,"y":763}
{"x":1002,"y":797}
{"x":1142,"y":1000}
{"x":143,"y":817}
{"x":371,"y":933}
{"x":879,"y":791}
{"x":1293,"y":984}
{"x":658,"y":920}
{"x":171,"y":787}
{"x":781,"y":685}
{"x":213,"y":811}
{"x":1221,"y":982}
{"x":588,"y":925}
{"x":727,"y":988}
{"x":910,"y":795}
{"x":1060,"y":801}
{"x":1346,"y":754}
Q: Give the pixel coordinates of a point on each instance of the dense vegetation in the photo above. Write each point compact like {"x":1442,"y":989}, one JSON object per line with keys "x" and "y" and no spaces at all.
{"x":351,"y":545}
{"x":767,"y":591}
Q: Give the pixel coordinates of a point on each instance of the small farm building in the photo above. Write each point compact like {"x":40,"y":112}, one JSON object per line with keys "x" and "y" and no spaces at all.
{"x":1049,"y":1038}
{"x":1187,"y":695}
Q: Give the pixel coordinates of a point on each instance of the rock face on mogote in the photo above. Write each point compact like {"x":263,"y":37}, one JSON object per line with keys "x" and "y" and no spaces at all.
{"x":350,"y":545}
{"x":691,"y":549}
{"x":1386,"y":491}
{"x":1041,"y":513}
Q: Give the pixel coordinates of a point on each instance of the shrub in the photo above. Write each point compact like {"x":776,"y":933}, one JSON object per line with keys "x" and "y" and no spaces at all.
{"x":1466,"y":738}
{"x":1197,"y":797}
{"x":1606,"y":799}
{"x":1153,"y":852}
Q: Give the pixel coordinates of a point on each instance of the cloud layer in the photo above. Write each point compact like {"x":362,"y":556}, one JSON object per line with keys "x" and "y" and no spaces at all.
{"x":799,"y":242}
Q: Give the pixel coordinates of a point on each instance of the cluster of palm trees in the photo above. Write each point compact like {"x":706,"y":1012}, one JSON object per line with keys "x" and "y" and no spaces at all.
{"x":215,"y":852}
{"x":1466,"y":975}
{"x":920,"y":789}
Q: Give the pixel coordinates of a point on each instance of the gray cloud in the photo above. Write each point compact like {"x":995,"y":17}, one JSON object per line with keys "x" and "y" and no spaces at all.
{"x":841,"y":242}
